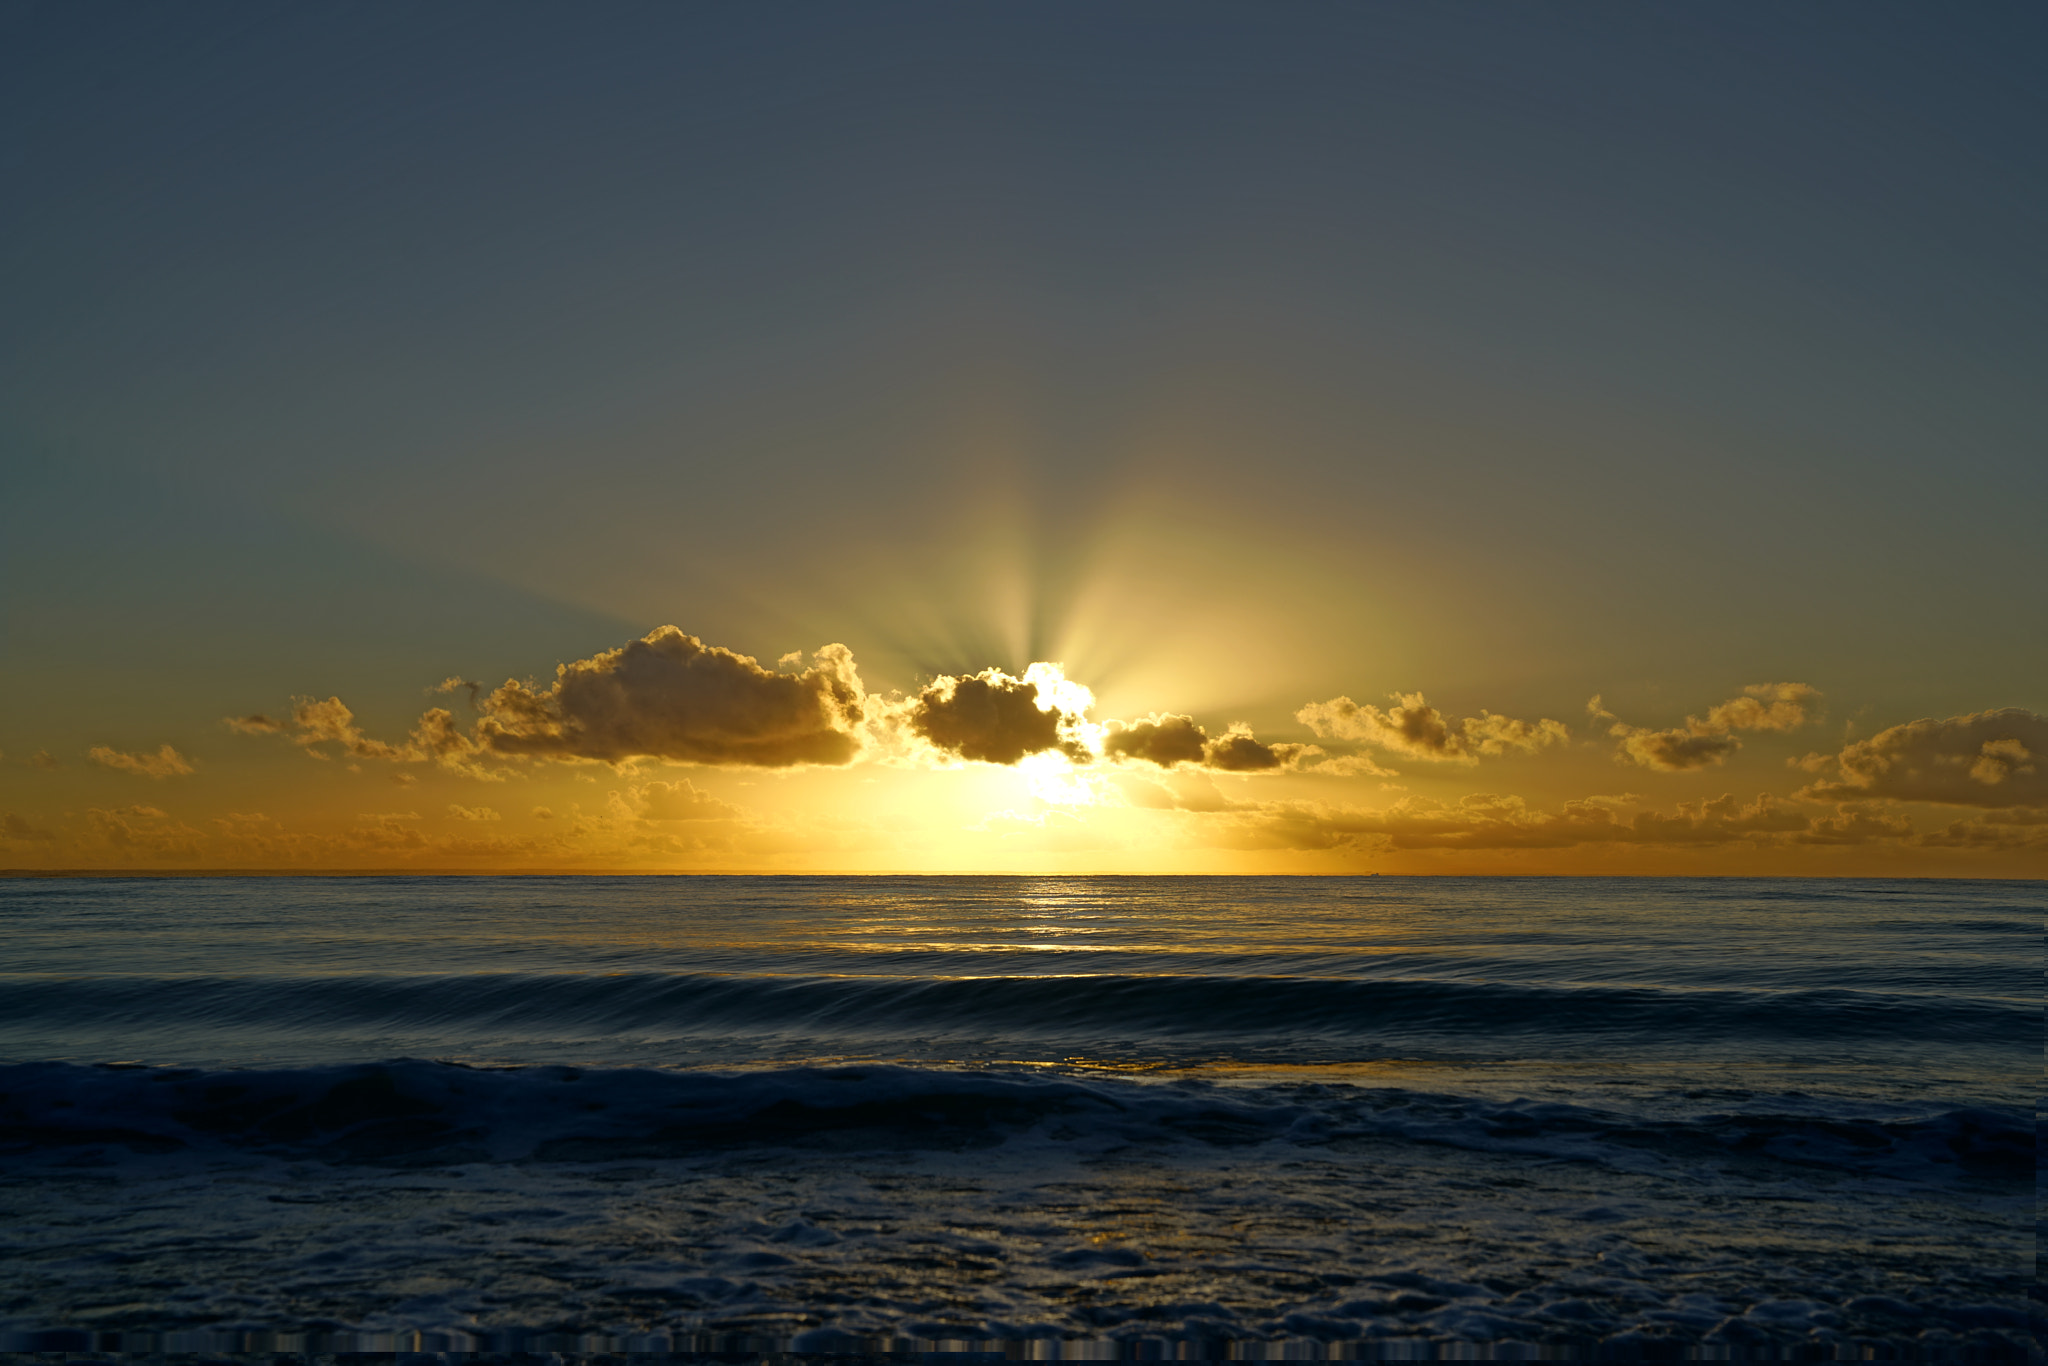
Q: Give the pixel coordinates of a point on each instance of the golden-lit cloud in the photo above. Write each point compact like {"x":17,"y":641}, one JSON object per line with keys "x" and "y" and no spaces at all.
{"x":473,"y":813}
{"x":316,"y":722}
{"x":454,"y":683}
{"x":1672,"y":751}
{"x":1987,"y":759}
{"x":1764,"y":706}
{"x":165,"y":763}
{"x":1708,"y":740}
{"x":670,"y":696}
{"x":1167,"y":739}
{"x":1416,"y":730}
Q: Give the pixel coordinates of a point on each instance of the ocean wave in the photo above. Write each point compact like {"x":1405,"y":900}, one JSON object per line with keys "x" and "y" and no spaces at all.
{"x":1085,"y":1009}
{"x":420,"y":1113}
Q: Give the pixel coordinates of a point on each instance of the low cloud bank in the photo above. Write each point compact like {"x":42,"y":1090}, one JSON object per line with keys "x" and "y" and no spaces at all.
{"x":1493,"y":821}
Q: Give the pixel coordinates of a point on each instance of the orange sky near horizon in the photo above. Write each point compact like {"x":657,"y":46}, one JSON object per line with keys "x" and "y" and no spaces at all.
{"x":671,"y":754}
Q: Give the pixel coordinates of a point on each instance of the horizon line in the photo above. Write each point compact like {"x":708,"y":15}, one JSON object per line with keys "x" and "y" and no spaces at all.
{"x":173,"y":873}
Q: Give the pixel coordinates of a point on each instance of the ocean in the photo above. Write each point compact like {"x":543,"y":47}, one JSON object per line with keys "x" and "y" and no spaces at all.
{"x":1034,"y":1118}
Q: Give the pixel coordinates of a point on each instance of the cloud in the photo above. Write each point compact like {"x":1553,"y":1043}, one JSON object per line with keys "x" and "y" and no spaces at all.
{"x":42,"y":758}
{"x":1765,"y":706}
{"x":1672,"y":751}
{"x":1986,"y":759}
{"x":2018,"y":828}
{"x":1419,"y":731}
{"x":1183,"y":791}
{"x":670,"y":696}
{"x":1704,"y":741}
{"x":679,"y":801}
{"x":1164,"y":740}
{"x":331,"y":721}
{"x":453,"y":684}
{"x":1492,"y":821}
{"x":16,"y":827}
{"x":1855,"y":824}
{"x":316,"y":721}
{"x":143,"y":832}
{"x":394,"y":832}
{"x":1167,"y":740}
{"x":165,"y":763}
{"x":1236,"y":751}
{"x":993,"y":718}
{"x":473,"y":813}
{"x":665,"y":696}
{"x":1353,"y":766}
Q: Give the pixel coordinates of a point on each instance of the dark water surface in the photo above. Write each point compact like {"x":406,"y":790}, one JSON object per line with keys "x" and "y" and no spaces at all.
{"x":1717,"y":1115}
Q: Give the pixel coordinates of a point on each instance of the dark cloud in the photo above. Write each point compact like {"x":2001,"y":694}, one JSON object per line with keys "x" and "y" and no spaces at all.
{"x":1236,"y":751}
{"x":666,"y":696}
{"x":165,"y":763}
{"x":1704,"y":741}
{"x":994,"y":718}
{"x":670,"y":696}
{"x":1167,"y":740}
{"x":1986,"y":759}
{"x":1162,"y":740}
{"x":42,"y":758}
{"x":1414,"y":728}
